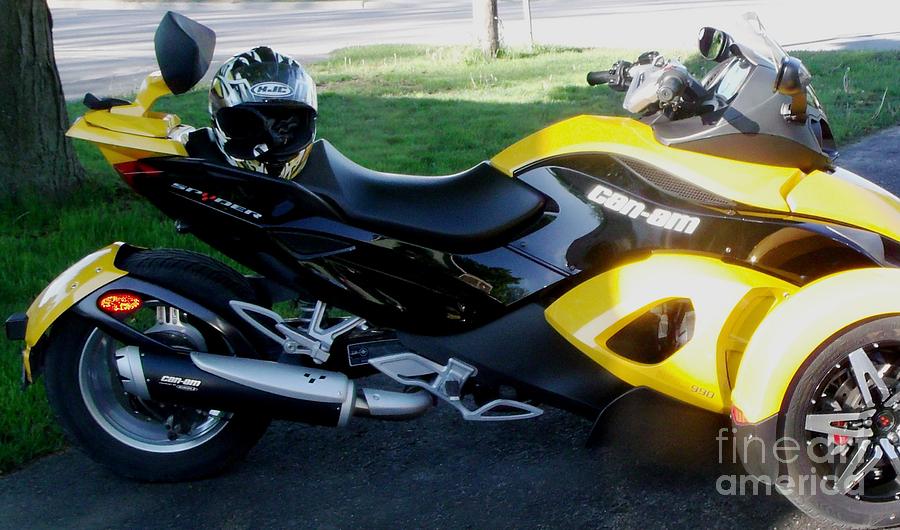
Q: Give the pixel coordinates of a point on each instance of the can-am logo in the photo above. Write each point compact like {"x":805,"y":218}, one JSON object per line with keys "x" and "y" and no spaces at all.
{"x":271,"y":89}
{"x":658,"y":217}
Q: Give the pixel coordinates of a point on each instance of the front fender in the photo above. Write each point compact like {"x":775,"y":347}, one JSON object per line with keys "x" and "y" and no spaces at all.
{"x":78,"y":281}
{"x":799,"y":326}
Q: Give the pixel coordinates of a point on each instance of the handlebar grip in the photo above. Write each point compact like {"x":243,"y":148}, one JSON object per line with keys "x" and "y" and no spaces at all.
{"x":599,"y":78}
{"x":670,"y":87}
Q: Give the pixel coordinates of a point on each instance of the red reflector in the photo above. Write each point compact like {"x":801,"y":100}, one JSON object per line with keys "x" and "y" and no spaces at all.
{"x":128,"y":170}
{"x":119,"y":303}
{"x":737,"y":416}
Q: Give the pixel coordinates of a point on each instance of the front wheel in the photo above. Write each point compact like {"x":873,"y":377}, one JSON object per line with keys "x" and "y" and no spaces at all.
{"x":137,"y":438}
{"x":844,"y":415}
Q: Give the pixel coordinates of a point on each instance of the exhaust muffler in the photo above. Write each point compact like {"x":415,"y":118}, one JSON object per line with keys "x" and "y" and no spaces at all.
{"x":282,"y":391}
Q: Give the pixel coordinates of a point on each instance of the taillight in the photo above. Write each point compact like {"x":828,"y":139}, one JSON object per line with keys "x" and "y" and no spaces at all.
{"x":119,"y":303}
{"x":128,"y":170}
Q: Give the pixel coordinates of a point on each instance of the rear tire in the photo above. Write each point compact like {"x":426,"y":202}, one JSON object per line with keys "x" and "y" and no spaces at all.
{"x":103,"y":426}
{"x":194,"y":275}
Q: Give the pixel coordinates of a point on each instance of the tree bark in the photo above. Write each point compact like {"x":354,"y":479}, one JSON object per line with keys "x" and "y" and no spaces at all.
{"x":484,"y":17}
{"x":34,"y":152}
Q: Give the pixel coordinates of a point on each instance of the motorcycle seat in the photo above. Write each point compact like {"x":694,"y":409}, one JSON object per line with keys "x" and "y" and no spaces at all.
{"x":473,"y":211}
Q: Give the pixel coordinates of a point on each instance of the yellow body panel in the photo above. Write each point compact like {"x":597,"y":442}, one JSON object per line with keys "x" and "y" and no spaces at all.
{"x":800,"y":325}
{"x":752,"y":184}
{"x":152,"y":127}
{"x":119,"y":146}
{"x":81,"y":279}
{"x":849,"y":198}
{"x":153,"y":88}
{"x":840,"y":196}
{"x":727,"y":309}
{"x":132,"y":132}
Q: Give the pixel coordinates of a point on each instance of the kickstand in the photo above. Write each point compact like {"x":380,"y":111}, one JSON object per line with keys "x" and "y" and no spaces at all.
{"x":598,"y":430}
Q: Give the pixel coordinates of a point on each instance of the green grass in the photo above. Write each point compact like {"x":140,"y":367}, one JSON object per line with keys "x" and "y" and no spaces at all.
{"x":393,"y":108}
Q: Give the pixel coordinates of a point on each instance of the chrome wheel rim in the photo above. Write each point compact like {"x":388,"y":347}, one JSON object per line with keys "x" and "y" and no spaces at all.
{"x":130,"y":420}
{"x":853,"y":424}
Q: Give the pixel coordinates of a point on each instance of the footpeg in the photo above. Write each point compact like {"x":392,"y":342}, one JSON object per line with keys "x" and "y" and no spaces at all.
{"x":314,"y":341}
{"x":446,"y":382}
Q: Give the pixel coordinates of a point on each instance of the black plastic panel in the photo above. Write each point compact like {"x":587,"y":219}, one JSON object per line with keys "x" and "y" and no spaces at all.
{"x":799,"y":252}
{"x":576,"y":217}
{"x":522,"y":350}
{"x":751,"y":128}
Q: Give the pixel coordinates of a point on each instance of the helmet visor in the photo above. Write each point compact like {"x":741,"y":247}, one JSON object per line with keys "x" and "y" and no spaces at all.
{"x":266,"y":132}
{"x":241,"y":123}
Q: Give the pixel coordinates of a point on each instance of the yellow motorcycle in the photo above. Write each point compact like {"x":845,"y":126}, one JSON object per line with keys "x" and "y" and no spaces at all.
{"x":709,"y":251}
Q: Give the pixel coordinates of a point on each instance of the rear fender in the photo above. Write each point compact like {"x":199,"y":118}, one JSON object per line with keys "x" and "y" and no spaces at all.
{"x":800,"y":326}
{"x":77,"y":289}
{"x":81,"y":279}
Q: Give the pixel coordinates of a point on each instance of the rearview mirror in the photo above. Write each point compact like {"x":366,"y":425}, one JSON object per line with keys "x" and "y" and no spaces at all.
{"x":714,"y":44}
{"x":792,"y":80}
{"x":184,"y":51}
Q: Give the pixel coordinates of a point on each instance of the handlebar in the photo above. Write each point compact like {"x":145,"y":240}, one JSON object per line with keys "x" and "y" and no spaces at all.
{"x":599,"y":78}
{"x":666,"y":84}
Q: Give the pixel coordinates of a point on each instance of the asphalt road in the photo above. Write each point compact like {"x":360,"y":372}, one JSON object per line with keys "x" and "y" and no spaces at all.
{"x":659,"y":468}
{"x":106,"y":46}
{"x":659,"y":471}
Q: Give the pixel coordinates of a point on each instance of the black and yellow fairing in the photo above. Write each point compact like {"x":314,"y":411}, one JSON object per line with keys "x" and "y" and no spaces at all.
{"x":761,"y":308}
{"x":779,"y":261}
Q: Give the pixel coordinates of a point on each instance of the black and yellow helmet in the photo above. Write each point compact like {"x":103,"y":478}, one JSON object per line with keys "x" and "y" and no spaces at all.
{"x":263,"y":108}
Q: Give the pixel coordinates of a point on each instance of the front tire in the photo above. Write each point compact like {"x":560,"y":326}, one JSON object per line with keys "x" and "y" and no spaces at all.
{"x":138,"y":439}
{"x":844,"y":414}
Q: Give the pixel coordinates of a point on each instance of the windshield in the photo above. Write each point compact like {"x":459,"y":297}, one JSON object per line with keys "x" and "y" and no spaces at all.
{"x":756,"y":43}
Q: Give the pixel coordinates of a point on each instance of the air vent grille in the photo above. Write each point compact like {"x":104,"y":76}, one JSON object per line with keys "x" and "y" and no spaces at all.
{"x":676,"y":186}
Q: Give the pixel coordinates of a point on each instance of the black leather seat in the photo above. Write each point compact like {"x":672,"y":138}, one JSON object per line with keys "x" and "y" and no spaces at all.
{"x":468,"y":212}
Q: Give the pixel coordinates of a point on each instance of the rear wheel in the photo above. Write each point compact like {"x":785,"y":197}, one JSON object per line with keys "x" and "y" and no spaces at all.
{"x":138,"y":438}
{"x":844,"y":413}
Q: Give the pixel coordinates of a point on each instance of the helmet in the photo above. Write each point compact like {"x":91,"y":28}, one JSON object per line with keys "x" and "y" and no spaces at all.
{"x":263,"y":109}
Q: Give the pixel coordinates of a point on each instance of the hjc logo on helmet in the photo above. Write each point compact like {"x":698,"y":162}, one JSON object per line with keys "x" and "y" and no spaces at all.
{"x":271,"y":89}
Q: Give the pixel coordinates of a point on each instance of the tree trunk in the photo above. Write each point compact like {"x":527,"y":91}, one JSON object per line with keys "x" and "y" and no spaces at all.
{"x":484,"y":16}
{"x":34,"y":153}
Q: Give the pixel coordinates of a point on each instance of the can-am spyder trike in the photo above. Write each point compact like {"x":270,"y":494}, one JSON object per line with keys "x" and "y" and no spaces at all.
{"x":709,"y":251}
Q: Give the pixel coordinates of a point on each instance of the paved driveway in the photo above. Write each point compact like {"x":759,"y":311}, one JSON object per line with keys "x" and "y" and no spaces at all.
{"x":660,"y":470}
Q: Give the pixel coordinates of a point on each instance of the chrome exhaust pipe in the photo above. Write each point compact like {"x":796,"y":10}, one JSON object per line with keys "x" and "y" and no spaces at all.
{"x":283,"y":391}
{"x":390,"y":405}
